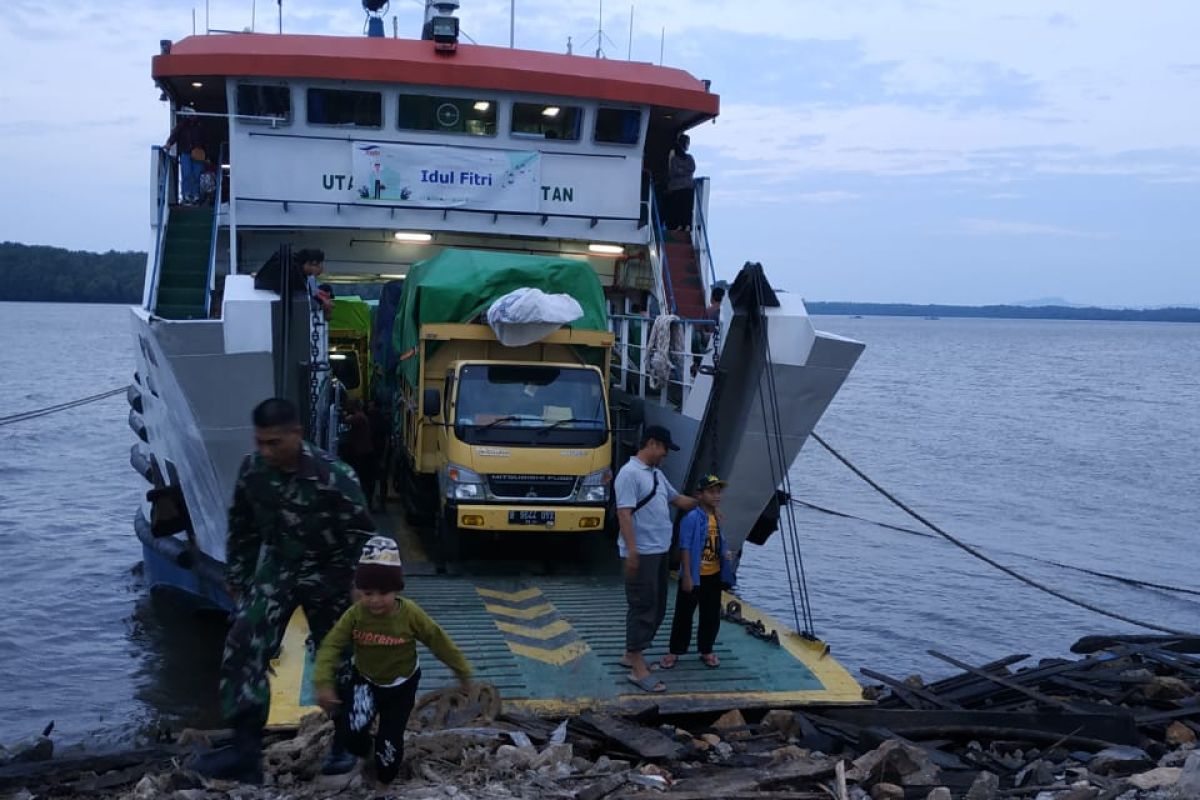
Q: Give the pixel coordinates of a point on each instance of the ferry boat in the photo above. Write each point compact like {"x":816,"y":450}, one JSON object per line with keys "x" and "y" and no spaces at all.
{"x":384,"y":153}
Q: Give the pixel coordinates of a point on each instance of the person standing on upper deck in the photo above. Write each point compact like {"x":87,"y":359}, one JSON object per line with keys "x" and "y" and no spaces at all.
{"x":681,"y":185}
{"x":644,"y":497}
{"x":188,"y":138}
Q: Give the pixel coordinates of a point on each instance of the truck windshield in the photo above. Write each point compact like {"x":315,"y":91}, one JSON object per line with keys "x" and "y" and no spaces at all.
{"x":530,"y":405}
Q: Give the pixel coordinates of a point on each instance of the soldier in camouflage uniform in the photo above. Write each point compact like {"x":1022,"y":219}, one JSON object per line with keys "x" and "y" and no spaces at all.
{"x":297,"y":523}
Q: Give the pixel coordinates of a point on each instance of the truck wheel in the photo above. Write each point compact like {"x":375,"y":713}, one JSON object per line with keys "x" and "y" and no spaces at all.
{"x":449,"y":539}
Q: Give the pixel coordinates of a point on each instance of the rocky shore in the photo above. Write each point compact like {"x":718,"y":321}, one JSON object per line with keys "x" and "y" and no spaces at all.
{"x":1120,"y":723}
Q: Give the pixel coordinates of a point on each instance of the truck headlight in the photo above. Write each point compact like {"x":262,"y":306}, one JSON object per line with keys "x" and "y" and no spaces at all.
{"x":594,"y":487}
{"x":463,"y":484}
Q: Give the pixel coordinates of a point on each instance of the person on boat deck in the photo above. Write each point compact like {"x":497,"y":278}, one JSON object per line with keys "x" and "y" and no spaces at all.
{"x":383,"y":629}
{"x":705,"y":569}
{"x":681,"y":185}
{"x":188,"y":139}
{"x":644,"y":497}
{"x":307,"y":265}
{"x":296,"y":525}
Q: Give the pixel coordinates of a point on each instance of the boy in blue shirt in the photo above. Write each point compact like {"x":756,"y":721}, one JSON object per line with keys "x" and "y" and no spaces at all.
{"x":705,"y":568}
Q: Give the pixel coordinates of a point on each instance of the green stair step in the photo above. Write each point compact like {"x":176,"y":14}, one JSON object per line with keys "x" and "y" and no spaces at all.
{"x":170,"y":311}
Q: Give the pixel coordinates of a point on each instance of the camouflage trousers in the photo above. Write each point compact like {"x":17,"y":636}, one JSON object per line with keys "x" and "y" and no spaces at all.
{"x":259,"y":623}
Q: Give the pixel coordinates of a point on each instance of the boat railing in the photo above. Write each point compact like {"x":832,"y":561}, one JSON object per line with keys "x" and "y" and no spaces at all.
{"x":164,"y":166}
{"x":658,"y":257}
{"x":690,"y":341}
{"x":700,"y":244}
{"x":211,"y":281}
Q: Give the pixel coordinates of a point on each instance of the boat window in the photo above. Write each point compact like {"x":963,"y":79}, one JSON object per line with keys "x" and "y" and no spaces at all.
{"x":546,"y":121}
{"x":423,"y":112}
{"x":345,"y":107}
{"x":618,"y":125}
{"x":258,"y":102}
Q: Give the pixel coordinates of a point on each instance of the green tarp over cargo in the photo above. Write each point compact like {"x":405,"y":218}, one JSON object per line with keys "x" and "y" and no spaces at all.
{"x":351,"y":313}
{"x":459,"y":285}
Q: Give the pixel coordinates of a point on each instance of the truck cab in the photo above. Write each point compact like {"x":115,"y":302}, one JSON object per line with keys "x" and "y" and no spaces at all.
{"x":510,"y":440}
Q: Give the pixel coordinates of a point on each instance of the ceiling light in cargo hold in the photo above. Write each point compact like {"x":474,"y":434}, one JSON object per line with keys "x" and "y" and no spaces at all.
{"x":197,"y":85}
{"x":388,"y":276}
{"x":413,"y":236}
{"x":550,"y":111}
{"x":607,"y":249}
{"x":482,"y":105}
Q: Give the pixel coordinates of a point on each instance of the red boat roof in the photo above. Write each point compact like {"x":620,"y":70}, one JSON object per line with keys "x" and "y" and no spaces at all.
{"x":413,"y":61}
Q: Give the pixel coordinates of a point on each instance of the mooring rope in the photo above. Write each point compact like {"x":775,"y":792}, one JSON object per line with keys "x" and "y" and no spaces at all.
{"x":990,"y":561}
{"x":925,"y":535}
{"x":41,"y":412}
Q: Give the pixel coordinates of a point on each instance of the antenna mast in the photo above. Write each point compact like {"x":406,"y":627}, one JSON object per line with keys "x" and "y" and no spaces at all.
{"x":599,"y":35}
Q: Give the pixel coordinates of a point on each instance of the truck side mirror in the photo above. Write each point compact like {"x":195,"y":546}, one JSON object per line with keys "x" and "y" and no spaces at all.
{"x":431,"y":403}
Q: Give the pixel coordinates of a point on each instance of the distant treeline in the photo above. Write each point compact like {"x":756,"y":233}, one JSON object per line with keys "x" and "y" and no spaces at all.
{"x":52,"y":274}
{"x":1174,"y":314}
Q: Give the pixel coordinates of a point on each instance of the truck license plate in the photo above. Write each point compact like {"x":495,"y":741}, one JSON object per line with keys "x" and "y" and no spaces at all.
{"x":531,"y":518}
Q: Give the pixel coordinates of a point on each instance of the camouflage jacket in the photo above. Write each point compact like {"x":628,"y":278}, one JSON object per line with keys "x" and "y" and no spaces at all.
{"x":316,"y":514}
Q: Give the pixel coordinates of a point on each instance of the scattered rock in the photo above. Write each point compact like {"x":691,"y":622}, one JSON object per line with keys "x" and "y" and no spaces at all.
{"x":1081,"y":791}
{"x":788,"y":753}
{"x":723,"y":750}
{"x":887,"y":791}
{"x":895,"y":759}
{"x":1178,"y":734}
{"x":783,"y":721}
{"x":1164,"y":687}
{"x":1189,"y":779}
{"x":712,"y":739}
{"x":654,"y":769}
{"x":730,"y":719}
{"x":940,"y":793}
{"x":553,"y":755}
{"x":1120,"y":761}
{"x":1158,"y":778}
{"x":985,"y":787}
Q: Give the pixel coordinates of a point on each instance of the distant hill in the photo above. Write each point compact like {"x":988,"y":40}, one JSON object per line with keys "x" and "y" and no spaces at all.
{"x":53,"y":274}
{"x":1176,"y":314}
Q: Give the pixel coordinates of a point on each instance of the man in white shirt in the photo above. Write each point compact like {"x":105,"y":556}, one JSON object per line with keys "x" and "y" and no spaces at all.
{"x":644,"y":496}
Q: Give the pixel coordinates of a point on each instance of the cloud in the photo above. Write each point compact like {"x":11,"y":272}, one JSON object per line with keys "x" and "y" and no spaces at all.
{"x":1000,"y":227}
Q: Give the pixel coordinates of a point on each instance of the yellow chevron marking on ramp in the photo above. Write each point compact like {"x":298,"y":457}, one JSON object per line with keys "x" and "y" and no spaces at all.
{"x":533,"y":612}
{"x":556,"y":628}
{"x":512,"y":597}
{"x":557,"y":656}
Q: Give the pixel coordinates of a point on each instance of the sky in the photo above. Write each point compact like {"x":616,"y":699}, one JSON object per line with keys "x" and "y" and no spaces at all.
{"x":922,"y":151}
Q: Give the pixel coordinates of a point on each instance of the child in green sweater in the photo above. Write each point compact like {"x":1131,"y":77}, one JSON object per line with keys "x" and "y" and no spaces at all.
{"x":384,"y":629}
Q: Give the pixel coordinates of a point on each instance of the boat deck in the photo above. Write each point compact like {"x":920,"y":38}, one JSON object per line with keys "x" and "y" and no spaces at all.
{"x":552,"y":645}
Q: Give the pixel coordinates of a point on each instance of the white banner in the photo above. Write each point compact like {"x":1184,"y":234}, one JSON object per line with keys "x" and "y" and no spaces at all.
{"x":447,"y":177}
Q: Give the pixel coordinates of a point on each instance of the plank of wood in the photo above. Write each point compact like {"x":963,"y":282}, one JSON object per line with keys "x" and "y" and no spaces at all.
{"x":903,"y":689}
{"x":1117,"y":727}
{"x":646,"y":743}
{"x":1005,"y":682}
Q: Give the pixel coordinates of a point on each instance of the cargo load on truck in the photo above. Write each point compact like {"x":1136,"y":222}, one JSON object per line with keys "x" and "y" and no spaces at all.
{"x":460,"y":285}
{"x":501,"y":440}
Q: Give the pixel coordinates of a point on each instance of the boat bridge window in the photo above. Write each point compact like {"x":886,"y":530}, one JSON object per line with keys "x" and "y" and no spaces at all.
{"x":618,"y":125}
{"x":345,"y":107}
{"x":257,"y":101}
{"x":546,"y":121}
{"x":423,"y":112}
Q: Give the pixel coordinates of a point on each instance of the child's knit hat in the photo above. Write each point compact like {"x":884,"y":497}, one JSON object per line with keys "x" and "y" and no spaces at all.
{"x":379,"y":567}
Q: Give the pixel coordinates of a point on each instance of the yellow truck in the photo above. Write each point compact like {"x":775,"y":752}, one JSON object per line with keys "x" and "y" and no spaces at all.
{"x":499,"y":439}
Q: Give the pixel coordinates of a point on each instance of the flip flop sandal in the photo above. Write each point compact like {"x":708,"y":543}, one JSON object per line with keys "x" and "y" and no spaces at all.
{"x":662,"y":662}
{"x":647,"y":684}
{"x":710,"y":660}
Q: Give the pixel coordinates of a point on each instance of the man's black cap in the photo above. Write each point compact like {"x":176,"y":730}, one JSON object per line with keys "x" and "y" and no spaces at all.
{"x":659,"y":434}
